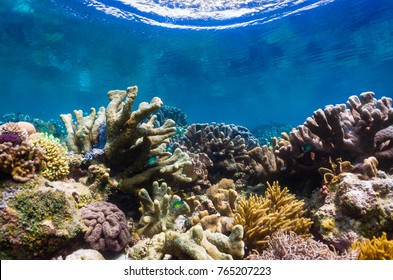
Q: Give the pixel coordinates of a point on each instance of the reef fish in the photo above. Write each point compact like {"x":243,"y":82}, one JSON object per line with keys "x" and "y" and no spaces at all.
{"x":169,"y":149}
{"x":151,"y":161}
{"x":178,"y":204}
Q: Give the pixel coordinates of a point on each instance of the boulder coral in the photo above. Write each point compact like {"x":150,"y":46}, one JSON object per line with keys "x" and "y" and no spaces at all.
{"x":107,"y":226}
{"x":355,"y":208}
{"x":39,"y":218}
{"x":277,"y":210}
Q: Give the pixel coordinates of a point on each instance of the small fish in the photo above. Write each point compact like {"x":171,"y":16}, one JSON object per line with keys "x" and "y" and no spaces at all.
{"x":169,"y":149}
{"x":178,"y":204}
{"x":307,"y":147}
{"x":151,"y":161}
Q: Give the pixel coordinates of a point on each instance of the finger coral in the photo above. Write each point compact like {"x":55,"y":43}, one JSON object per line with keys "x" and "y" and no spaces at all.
{"x":55,"y":163}
{"x":261,"y":216}
{"x":375,"y":249}
{"x":83,"y":135}
{"x":160,"y":210}
{"x":107,"y":226}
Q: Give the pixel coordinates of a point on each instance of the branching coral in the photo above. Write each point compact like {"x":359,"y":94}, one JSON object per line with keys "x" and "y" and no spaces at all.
{"x":354,"y":132}
{"x":85,"y":134}
{"x":55,"y":163}
{"x":12,"y":132}
{"x":160,"y":210}
{"x":375,"y":249}
{"x":194,"y":244}
{"x":290,"y":246}
{"x":107,"y":226}
{"x":276,"y":211}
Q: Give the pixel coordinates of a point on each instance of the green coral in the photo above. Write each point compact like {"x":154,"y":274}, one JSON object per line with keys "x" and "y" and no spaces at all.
{"x":55,"y":163}
{"x":261,"y":216}
{"x":375,"y":249}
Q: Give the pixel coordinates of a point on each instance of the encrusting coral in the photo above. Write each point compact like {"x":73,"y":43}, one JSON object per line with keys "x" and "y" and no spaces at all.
{"x":160,"y":210}
{"x":355,"y":208}
{"x":375,"y":249}
{"x":195,"y":244}
{"x":39,"y":217}
{"x":107,"y":226}
{"x":55,"y":162}
{"x":261,"y":216}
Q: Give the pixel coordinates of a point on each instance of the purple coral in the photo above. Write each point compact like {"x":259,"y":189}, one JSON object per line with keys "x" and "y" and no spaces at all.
{"x":107,"y":226}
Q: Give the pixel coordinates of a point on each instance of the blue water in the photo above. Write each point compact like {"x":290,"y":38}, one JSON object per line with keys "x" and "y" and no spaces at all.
{"x":276,"y":63}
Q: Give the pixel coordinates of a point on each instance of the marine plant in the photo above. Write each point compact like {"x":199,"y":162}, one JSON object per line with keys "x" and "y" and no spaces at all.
{"x":277,"y":210}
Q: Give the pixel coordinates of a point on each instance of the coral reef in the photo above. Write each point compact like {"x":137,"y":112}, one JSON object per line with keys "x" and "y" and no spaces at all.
{"x":276,"y":211}
{"x":375,"y":249}
{"x":355,"y":208}
{"x":290,"y":246}
{"x":107,"y":226}
{"x":160,"y":210}
{"x":55,"y":163}
{"x":194,"y":244}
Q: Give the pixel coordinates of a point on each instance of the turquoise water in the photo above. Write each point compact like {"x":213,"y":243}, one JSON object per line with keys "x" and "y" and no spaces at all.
{"x":241,"y":62}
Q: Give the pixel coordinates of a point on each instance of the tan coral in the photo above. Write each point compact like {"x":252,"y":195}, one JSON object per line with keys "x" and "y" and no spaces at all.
{"x":262,"y":216}
{"x":83,"y":135}
{"x":160,"y":210}
{"x":195,"y":244}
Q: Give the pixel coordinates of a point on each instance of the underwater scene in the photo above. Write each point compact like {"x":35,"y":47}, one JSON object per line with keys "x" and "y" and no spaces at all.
{"x":196,"y":130}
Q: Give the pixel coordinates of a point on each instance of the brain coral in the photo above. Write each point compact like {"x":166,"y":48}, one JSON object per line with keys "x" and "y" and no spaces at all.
{"x":107,"y":226}
{"x":276,"y":211}
{"x":55,"y":164}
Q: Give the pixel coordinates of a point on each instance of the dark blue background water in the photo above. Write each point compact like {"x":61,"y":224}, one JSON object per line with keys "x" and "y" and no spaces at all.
{"x":57,"y":56}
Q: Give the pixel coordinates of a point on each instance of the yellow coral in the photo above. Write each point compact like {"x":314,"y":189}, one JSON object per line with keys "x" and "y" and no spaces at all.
{"x":375,"y":249}
{"x":328,"y":224}
{"x":261,"y":216}
{"x":55,"y":164}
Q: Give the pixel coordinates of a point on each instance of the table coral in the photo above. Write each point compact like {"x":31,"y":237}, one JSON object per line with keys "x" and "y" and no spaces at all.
{"x":107,"y":226}
{"x":160,"y":210}
{"x":261,"y":216}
